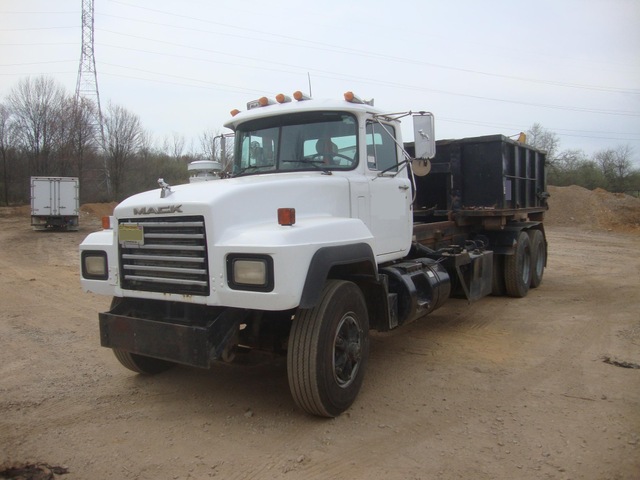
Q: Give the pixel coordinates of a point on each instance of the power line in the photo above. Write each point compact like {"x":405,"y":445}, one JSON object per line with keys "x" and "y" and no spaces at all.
{"x":600,"y":135}
{"x":36,"y":28}
{"x":395,"y":84}
{"x":33,"y":63}
{"x":39,"y":13}
{"x":339,"y":48}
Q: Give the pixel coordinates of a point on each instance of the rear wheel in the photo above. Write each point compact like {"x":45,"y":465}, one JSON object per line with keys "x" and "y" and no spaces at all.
{"x":142,"y":364}
{"x":498,"y":287}
{"x":538,"y":257}
{"x":328,"y":350}
{"x":517,"y":268}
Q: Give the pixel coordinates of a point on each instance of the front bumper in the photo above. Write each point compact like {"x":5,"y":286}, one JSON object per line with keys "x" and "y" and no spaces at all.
{"x":170,"y":338}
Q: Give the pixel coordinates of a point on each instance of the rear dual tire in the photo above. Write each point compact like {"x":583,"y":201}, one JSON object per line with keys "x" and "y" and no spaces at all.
{"x":517,"y":268}
{"x":538,"y":257}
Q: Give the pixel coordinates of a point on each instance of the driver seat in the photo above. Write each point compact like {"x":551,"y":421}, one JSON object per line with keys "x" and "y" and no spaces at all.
{"x":326,"y":149}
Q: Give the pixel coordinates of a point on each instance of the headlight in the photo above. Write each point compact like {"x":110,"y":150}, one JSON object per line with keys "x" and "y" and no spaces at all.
{"x":250,"y":272}
{"x":94,"y":265}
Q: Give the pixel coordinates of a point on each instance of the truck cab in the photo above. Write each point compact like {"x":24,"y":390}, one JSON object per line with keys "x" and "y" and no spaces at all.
{"x":341,"y":144}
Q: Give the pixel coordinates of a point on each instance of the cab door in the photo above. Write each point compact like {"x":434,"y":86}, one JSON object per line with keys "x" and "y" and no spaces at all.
{"x":390,"y":192}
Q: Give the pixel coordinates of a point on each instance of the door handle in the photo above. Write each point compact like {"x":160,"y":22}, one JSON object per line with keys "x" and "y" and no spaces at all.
{"x":403,"y":187}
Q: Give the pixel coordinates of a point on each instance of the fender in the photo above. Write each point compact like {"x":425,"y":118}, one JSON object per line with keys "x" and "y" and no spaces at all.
{"x":358,"y":257}
{"x":503,"y":241}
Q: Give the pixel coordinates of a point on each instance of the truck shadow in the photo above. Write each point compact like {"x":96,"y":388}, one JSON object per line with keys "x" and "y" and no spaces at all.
{"x":253,"y":382}
{"x":257,"y":382}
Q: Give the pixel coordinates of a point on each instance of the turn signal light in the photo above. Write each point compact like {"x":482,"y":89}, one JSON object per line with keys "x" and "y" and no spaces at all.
{"x":286,"y":216}
{"x":106,"y":223}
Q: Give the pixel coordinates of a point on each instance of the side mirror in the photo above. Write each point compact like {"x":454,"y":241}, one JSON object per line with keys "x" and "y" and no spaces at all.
{"x":424,"y":136}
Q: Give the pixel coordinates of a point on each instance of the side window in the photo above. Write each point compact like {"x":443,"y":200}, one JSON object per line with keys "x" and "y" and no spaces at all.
{"x":382,"y":153}
{"x":259,"y":150}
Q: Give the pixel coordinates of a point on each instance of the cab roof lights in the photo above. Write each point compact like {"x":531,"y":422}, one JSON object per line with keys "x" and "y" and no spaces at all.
{"x":298,"y":96}
{"x":261,"y":102}
{"x":353,"y":98}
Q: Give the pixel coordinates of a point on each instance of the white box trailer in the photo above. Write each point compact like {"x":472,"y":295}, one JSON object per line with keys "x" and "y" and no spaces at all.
{"x":55,"y":202}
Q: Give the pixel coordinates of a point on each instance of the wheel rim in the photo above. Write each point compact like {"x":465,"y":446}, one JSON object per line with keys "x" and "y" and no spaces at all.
{"x":347,"y":350}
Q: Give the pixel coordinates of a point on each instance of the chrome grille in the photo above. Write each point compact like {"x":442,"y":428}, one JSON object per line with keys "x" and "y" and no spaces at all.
{"x":172,"y":258}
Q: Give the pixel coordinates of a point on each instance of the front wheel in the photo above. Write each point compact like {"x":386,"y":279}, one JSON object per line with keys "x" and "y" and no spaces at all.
{"x":328,"y":350}
{"x":140,"y":363}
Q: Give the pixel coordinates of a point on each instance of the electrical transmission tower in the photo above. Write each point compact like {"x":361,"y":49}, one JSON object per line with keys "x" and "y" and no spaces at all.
{"x":87,"y":83}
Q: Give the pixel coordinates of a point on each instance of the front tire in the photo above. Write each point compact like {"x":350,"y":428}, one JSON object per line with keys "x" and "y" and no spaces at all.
{"x":142,"y":364}
{"x":328,"y":350}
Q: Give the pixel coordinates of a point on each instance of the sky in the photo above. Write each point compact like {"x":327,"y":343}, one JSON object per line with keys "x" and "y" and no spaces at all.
{"x":482,"y":67}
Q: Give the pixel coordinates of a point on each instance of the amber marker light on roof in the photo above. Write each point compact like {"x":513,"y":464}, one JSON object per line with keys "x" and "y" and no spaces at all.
{"x":299,"y":96}
{"x":234,"y":112}
{"x":353,"y":98}
{"x":282,"y":98}
{"x":286,"y":216}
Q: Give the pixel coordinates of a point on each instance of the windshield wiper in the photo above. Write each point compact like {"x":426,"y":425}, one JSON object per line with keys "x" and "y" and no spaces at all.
{"x":250,"y":167}
{"x":317,"y":164}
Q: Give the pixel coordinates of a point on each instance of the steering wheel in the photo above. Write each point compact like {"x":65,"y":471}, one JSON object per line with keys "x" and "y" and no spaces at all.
{"x":319,"y":157}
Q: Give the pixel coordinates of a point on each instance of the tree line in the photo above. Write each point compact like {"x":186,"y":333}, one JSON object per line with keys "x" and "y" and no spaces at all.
{"x":611,"y":169}
{"x":44,"y":131}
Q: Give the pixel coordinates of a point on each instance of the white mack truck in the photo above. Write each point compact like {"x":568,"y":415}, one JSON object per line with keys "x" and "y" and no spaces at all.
{"x":325,"y":227}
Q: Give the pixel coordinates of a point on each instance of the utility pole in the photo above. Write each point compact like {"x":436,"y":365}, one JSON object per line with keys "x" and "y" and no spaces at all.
{"x":87,"y":83}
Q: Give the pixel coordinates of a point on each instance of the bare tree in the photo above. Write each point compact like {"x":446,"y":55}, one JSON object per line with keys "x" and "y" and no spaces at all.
{"x":84,"y":144}
{"x":174,"y":146}
{"x":207,"y":145}
{"x":543,"y":139}
{"x":38,"y":107}
{"x":7,"y":148}
{"x":124,"y":138}
{"x":616,"y":166}
{"x":573,"y":167}
{"x":217,"y":147}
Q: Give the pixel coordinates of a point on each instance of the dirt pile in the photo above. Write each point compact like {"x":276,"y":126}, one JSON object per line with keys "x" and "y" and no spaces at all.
{"x":98,"y":210}
{"x":593,"y":209}
{"x":15,"y":211}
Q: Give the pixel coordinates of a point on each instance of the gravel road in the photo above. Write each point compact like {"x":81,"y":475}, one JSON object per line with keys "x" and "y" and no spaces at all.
{"x":540,"y":387}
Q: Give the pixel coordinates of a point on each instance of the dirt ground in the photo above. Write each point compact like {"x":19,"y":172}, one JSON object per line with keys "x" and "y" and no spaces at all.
{"x":537,"y":388}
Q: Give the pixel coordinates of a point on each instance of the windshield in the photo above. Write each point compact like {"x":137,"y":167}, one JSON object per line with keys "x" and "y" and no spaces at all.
{"x":302,"y":141}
